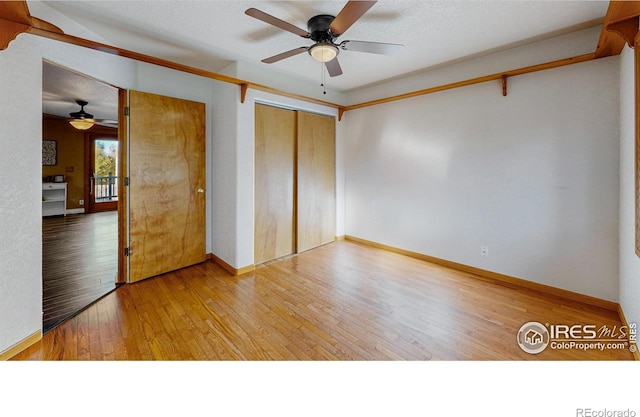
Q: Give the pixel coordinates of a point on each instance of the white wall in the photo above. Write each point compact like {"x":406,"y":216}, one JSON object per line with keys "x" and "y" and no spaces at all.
{"x":224,"y":175}
{"x":20,"y":186}
{"x":557,"y":48}
{"x":533,"y":176}
{"x":629,"y":261}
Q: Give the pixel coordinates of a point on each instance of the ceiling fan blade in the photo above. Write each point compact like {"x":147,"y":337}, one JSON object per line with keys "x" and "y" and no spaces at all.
{"x":284,"y":55}
{"x":106,"y":122}
{"x":260,"y":15}
{"x":349,"y":14}
{"x":333,"y":67}
{"x":372,"y":47}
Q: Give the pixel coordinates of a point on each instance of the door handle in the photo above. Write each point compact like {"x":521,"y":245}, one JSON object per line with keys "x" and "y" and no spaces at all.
{"x":201,"y":190}
{"x":91,"y":185}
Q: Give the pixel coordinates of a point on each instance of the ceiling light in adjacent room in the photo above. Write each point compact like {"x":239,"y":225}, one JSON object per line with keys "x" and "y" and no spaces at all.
{"x":81,"y":120}
{"x":82,"y":124}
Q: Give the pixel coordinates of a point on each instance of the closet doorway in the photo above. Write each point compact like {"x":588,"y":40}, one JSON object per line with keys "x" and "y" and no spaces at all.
{"x":294,"y":181}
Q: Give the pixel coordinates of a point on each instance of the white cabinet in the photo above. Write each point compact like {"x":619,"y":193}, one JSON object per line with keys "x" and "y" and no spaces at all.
{"x":54,"y":198}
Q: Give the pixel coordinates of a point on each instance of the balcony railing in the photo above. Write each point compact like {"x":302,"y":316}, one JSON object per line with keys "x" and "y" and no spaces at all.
{"x":106,"y":188}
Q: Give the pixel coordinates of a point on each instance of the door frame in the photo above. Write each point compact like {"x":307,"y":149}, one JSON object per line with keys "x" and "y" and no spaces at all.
{"x":123,"y":190}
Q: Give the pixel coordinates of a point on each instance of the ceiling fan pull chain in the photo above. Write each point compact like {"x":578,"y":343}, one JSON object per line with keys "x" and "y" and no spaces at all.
{"x":324,"y":89}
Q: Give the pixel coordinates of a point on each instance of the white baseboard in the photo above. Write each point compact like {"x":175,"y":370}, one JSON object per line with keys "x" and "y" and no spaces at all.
{"x":75,"y":211}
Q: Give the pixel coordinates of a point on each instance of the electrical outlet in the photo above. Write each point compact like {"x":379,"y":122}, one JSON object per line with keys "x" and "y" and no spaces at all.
{"x":484,"y":251}
{"x":81,"y":202}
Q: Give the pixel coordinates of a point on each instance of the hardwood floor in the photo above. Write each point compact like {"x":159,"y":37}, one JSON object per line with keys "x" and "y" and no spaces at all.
{"x":342,"y":301}
{"x":79,"y":261}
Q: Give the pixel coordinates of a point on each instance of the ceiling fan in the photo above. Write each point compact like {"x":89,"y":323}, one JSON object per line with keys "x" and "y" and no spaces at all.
{"x":324,"y":30}
{"x":82,"y":120}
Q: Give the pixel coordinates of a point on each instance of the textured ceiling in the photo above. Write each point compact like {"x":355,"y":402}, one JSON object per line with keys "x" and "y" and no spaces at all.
{"x":61,"y":88}
{"x":213,"y":34}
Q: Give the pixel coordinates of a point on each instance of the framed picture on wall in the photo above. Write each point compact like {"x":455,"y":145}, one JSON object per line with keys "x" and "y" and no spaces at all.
{"x":48,"y":152}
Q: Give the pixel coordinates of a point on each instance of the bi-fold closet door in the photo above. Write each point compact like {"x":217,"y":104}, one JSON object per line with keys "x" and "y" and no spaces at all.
{"x":294,"y":181}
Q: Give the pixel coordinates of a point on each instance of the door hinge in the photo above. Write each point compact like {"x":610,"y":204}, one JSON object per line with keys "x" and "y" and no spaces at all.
{"x":126,"y":111}
{"x":126,"y":181}
{"x":127,"y":252}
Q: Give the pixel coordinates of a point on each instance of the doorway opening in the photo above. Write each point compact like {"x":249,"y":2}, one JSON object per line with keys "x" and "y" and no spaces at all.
{"x":80,"y":242}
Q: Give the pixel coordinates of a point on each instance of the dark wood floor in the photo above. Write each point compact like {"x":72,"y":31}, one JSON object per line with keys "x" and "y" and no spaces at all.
{"x":342,"y":301}
{"x":79,"y":263}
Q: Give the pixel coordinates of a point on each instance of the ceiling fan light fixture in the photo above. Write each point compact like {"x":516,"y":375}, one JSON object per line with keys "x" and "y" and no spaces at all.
{"x":81,"y":120}
{"x":82,"y":124}
{"x":323,"y":52}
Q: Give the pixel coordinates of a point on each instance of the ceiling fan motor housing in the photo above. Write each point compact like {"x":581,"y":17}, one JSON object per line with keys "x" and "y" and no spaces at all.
{"x":318,"y":27}
{"x":81,"y":114}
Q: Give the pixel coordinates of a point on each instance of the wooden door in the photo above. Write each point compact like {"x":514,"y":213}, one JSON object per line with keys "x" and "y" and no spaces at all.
{"x":316,"y":179}
{"x":167,"y":182}
{"x":275,"y":131}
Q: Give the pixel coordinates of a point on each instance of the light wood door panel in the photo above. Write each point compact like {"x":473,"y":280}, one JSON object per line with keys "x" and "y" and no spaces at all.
{"x":316,"y":201}
{"x":275,"y":131}
{"x":167,"y":183}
